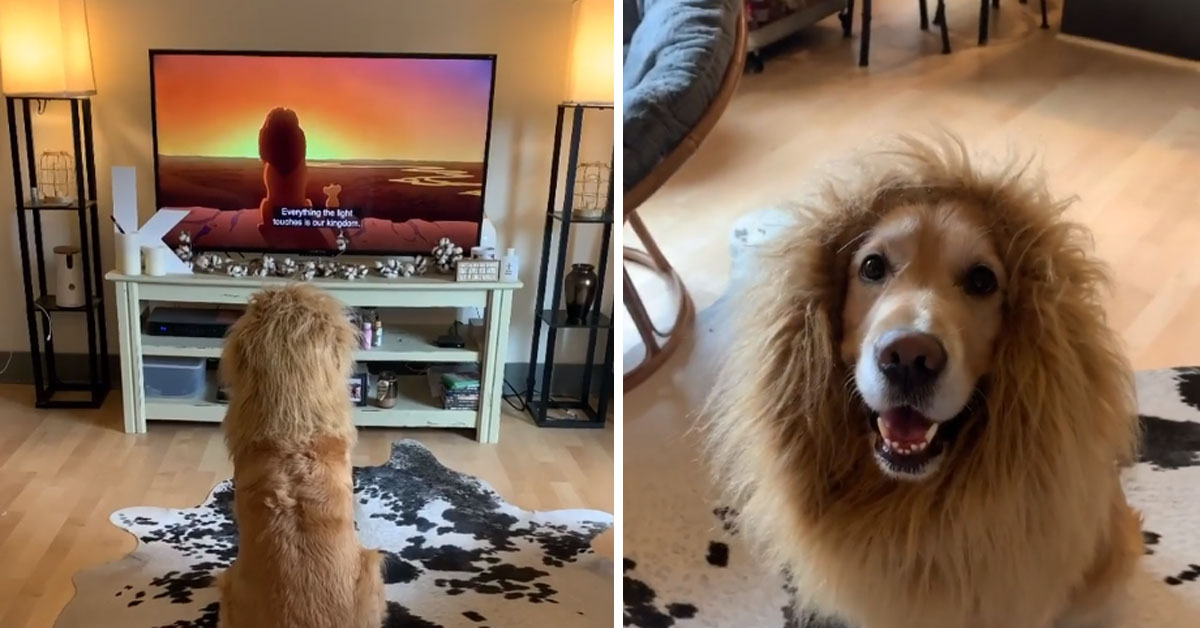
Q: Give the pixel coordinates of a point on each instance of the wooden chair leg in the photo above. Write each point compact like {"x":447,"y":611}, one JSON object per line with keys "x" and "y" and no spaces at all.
{"x":924,"y":15}
{"x":995,"y":4}
{"x":983,"y":22}
{"x":1045,"y":19}
{"x":659,"y":343}
{"x":847,"y":18}
{"x":657,"y":353}
{"x":641,"y":318}
{"x":661,"y":263}
{"x":864,"y":53}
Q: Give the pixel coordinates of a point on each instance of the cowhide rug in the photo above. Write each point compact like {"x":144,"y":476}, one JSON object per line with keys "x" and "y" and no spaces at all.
{"x":456,"y":555}
{"x":686,"y":567}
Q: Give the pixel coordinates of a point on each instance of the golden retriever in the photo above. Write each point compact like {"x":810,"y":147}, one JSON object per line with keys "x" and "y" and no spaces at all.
{"x":289,"y":431}
{"x":924,"y":412}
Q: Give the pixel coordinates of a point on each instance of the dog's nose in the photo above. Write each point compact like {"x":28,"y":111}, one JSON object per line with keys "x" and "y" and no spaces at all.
{"x":910,"y":359}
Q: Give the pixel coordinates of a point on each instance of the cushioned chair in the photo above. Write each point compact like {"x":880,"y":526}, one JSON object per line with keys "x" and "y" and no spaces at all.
{"x":682,"y":62}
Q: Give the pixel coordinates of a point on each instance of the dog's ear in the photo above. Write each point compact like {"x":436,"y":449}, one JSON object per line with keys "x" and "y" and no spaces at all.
{"x":231,"y":365}
{"x":345,"y":340}
{"x":783,"y":388}
{"x":1060,"y":374}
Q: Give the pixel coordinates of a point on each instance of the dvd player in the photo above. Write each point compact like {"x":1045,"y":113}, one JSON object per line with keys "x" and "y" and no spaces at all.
{"x":190,"y":322}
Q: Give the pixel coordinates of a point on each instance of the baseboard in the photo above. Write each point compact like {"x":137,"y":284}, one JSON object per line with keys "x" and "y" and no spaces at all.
{"x":568,"y":378}
{"x":1138,"y":53}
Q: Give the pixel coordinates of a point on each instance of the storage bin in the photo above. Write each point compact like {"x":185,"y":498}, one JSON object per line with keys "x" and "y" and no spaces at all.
{"x":173,"y":377}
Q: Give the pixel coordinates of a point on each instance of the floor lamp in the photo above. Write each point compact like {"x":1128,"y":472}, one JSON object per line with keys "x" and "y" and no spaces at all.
{"x":46,"y":56}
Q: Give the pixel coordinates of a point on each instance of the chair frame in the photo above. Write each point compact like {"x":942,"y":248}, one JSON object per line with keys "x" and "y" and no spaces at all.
{"x":661,"y":344}
{"x":939,"y":19}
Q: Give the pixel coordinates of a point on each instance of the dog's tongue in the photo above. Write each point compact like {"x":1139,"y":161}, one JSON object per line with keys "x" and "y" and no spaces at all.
{"x":904,"y":425}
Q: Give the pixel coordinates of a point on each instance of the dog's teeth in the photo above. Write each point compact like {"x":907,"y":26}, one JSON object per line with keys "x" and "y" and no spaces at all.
{"x":906,"y":448}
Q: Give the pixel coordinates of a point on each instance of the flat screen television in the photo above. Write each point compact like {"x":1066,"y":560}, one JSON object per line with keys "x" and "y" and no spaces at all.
{"x":382,"y":154}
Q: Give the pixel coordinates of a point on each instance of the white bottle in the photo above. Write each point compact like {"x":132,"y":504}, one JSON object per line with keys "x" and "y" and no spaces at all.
{"x":509,"y":265}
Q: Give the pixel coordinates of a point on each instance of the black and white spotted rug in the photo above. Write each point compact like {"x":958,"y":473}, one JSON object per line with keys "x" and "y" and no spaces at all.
{"x":456,"y":554}
{"x":685,"y":566}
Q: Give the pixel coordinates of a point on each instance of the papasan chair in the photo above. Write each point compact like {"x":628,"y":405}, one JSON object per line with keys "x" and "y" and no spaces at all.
{"x":682,"y":62}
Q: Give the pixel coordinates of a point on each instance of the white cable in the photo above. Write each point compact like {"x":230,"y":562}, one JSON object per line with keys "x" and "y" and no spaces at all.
{"x":49,"y":322}
{"x":49,"y":334}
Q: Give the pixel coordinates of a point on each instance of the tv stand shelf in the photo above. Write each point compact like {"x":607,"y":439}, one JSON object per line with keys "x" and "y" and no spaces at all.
{"x":416,"y":406}
{"x":400,"y":344}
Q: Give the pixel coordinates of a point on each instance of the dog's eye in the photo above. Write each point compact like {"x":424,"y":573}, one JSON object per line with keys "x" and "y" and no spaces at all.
{"x":980,"y":281}
{"x":873,"y":269}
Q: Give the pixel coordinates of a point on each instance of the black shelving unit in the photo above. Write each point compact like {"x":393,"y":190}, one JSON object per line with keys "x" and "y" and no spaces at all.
{"x":40,"y":303}
{"x":552,"y":315}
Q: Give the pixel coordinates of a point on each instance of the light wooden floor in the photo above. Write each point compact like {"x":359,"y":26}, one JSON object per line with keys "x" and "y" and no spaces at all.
{"x":1122,"y":133}
{"x":63,"y":472}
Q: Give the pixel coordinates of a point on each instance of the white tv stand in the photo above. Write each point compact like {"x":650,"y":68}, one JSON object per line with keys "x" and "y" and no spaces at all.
{"x":415,"y":408}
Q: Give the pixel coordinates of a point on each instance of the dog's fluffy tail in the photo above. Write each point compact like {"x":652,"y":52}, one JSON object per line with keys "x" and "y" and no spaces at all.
{"x":371,"y":597}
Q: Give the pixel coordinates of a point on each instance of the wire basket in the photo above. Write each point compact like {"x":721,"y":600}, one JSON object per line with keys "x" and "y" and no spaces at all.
{"x":56,"y":178}
{"x":591,"y":189}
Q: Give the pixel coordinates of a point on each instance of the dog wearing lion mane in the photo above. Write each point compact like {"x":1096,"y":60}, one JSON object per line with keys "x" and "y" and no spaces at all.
{"x":289,"y":430}
{"x":924,"y":413}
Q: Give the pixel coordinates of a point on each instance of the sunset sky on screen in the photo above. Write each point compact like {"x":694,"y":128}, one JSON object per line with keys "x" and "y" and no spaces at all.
{"x":349,"y":108}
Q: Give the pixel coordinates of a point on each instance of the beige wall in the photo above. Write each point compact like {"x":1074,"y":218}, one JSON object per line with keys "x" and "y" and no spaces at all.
{"x":530,"y":38}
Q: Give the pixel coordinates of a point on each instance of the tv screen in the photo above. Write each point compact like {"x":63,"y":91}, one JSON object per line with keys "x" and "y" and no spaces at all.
{"x":321,"y":153}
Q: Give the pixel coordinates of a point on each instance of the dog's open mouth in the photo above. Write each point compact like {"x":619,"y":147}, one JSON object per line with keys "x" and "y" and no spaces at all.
{"x":907,"y":443}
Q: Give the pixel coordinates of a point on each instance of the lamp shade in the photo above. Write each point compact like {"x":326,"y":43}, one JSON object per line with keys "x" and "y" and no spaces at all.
{"x":44,"y":48}
{"x":590,"y":76}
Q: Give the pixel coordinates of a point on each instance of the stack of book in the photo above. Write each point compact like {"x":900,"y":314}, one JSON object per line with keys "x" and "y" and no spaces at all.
{"x":459,"y":388}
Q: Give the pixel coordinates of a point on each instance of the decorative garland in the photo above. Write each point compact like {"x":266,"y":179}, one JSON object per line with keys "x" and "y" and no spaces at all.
{"x":445,"y":255}
{"x":392,"y":268}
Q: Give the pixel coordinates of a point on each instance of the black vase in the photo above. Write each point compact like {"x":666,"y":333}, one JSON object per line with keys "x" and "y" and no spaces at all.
{"x":580,"y":285}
